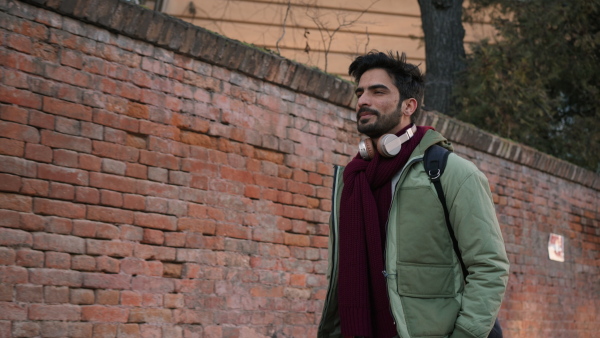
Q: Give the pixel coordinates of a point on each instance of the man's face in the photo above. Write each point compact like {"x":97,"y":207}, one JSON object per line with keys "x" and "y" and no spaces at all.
{"x":378,"y":110}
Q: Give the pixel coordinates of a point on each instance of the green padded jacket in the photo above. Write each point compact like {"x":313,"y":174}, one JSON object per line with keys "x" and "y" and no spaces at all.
{"x":427,"y":292}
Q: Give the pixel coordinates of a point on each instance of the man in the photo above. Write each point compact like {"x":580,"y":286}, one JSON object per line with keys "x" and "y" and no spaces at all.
{"x":392,"y":268}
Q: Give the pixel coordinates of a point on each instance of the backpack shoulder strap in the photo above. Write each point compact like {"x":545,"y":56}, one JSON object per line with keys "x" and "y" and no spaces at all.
{"x":434,"y":161}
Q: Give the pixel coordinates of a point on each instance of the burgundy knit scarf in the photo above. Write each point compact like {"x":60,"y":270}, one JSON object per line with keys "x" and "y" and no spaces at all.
{"x":362,"y":292}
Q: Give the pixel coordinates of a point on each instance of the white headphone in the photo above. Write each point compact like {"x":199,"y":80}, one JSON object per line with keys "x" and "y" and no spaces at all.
{"x":388,"y":145}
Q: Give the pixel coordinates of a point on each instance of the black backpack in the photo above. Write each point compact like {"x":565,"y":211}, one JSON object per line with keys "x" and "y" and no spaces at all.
{"x":434,"y":161}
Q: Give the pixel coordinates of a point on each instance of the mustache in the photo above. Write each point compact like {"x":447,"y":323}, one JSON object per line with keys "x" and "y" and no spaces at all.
{"x":367,"y":110}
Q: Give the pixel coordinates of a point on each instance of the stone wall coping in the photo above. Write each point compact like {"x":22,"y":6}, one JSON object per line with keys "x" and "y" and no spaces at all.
{"x":475,"y":138}
{"x":174,"y":34}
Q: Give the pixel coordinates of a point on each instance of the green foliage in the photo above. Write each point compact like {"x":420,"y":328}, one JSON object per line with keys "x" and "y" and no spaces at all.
{"x":538,"y":83}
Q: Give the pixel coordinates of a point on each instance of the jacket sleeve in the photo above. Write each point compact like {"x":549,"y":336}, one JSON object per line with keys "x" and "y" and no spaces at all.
{"x":480,"y":241}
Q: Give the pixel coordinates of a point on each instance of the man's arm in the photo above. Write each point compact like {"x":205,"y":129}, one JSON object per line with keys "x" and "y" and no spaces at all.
{"x":480,"y":241}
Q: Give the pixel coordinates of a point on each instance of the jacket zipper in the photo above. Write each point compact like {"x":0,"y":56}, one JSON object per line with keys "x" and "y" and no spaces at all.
{"x":334,"y":241}
{"x":385,"y":273}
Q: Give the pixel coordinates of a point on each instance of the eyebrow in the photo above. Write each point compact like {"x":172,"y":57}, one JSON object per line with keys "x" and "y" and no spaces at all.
{"x":373,"y":87}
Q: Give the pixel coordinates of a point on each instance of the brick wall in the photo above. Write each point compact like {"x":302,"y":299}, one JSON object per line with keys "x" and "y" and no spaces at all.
{"x":160,"y":180}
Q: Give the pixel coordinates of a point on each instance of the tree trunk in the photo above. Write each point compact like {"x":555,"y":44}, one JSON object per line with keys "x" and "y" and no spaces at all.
{"x":444,"y":51}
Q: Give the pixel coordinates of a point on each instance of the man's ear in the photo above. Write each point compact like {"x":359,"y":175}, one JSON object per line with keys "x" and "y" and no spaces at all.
{"x":409,"y":106}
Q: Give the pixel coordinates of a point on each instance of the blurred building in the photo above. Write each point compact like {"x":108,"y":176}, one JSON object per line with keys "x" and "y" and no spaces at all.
{"x":326,"y":34}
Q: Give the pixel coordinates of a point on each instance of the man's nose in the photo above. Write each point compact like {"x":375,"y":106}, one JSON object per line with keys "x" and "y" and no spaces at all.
{"x":363,"y":100}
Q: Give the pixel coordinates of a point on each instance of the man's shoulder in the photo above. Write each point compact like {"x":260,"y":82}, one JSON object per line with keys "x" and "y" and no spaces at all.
{"x":459,"y":166}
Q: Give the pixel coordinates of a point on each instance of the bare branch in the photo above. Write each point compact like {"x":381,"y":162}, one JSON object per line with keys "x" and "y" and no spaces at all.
{"x":287,"y":12}
{"x":327,"y":33}
{"x":368,"y":40}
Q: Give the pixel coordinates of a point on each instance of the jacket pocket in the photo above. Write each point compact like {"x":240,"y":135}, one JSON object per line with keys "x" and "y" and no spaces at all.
{"x":430,"y":317}
{"x":425,"y":281}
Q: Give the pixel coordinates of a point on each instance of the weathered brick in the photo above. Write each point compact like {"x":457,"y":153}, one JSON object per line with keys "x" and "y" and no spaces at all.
{"x":10,"y":183}
{"x":61,"y":191}
{"x":113,"y":182}
{"x":55,"y":277}
{"x":58,"y":140}
{"x":19,"y":132}
{"x":12,"y":311}
{"x":54,"y":312}
{"x":228,"y":230}
{"x":131,"y":298}
{"x":107,"y":264}
{"x":67,"y":109}
{"x":65,"y":158}
{"x":109,"y":215}
{"x":133,"y":330}
{"x":106,"y":281}
{"x":87,"y":195}
{"x":35,"y":187}
{"x":61,"y":243}
{"x":135,"y":202}
{"x":111,"y":198}
{"x":67,"y":126}
{"x":57,"y":260}
{"x":319,"y":241}
{"x":24,"y":329}
{"x":20,"y":97}
{"x":107,"y":297}
{"x":136,"y":170}
{"x":156,"y":221}
{"x":79,"y":329}
{"x":115,"y":151}
{"x":159,"y":160}
{"x":197,"y":225}
{"x":7,"y":256}
{"x":58,"y":208}
{"x":14,"y":114}
{"x":16,"y":202}
{"x":131,"y":233}
{"x":61,"y":174}
{"x":158,"y":174}
{"x":107,"y":231}
{"x":56,"y":294}
{"x":296,"y":240}
{"x":89,"y":162}
{"x":149,"y":315}
{"x":30,"y":258}
{"x":41,"y":120}
{"x":154,"y":252}
{"x":17,"y":166}
{"x":100,"y":313}
{"x":53,"y":328}
{"x":12,"y":237}
{"x":92,"y":130}
{"x":83,"y":263}
{"x":109,"y":248}
{"x":174,"y":239}
{"x":153,"y":237}
{"x":29,"y":293}
{"x":174,"y":300}
{"x":113,"y":167}
{"x":105,"y":329}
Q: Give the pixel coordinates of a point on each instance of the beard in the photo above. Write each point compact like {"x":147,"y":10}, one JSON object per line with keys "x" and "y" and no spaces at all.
{"x":382,"y":124}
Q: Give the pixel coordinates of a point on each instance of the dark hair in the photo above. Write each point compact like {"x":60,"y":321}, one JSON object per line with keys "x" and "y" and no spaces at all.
{"x":407,"y":77}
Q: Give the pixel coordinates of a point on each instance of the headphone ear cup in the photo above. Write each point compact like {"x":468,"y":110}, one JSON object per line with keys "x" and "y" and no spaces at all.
{"x":387,"y":147}
{"x":366,"y":149}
